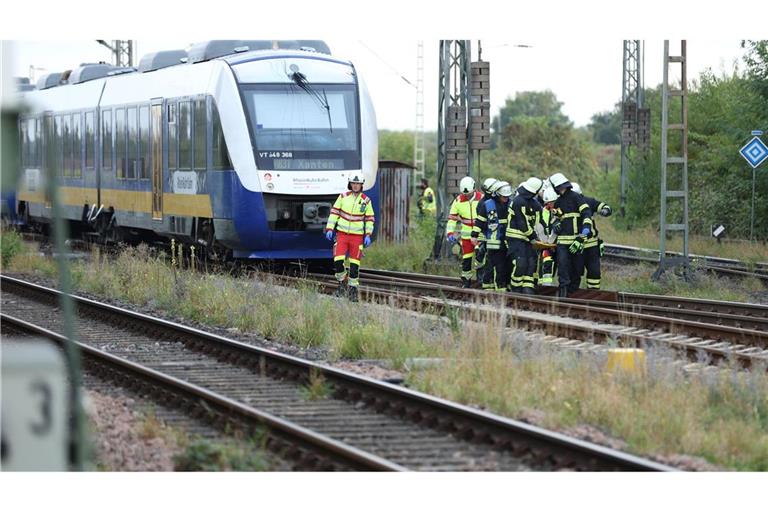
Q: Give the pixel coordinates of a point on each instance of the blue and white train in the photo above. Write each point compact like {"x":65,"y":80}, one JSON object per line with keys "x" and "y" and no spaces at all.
{"x":241,"y":146}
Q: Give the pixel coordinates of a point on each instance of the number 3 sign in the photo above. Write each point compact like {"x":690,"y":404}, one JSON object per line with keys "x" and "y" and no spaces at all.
{"x":34,"y":407}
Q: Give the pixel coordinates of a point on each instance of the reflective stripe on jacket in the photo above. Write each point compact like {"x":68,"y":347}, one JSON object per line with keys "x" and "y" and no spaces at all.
{"x":491,"y":222}
{"x":594,"y":205}
{"x":523,"y":215}
{"x":463,"y":214}
{"x":574,"y":213}
{"x":351,"y":213}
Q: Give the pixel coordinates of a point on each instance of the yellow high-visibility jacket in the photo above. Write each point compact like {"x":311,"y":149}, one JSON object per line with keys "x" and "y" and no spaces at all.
{"x":352,"y":213}
{"x":429,"y":200}
{"x":463,"y":214}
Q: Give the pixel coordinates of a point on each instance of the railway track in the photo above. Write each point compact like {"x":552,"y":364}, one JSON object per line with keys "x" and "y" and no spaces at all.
{"x":359,"y":423}
{"x":720,"y":266}
{"x":735,"y":314}
{"x":584,"y":320}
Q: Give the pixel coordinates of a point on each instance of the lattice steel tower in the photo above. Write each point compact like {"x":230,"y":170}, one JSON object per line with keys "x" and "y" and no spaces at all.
{"x":635,"y":125}
{"x":674,"y":166}
{"x":453,"y":157}
{"x":122,"y":51}
{"x":418,"y":134}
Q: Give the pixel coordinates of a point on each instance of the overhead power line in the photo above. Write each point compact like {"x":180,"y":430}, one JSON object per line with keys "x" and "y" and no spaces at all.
{"x":390,"y":66}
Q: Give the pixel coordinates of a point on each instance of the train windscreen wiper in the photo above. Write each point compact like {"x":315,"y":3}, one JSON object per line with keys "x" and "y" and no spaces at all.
{"x":301,"y":80}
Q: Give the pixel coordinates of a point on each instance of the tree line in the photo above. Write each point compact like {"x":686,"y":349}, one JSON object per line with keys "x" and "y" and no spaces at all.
{"x":532,"y":136}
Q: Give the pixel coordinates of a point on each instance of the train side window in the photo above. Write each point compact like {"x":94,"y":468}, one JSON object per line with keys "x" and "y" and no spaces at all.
{"x":132,"y":144}
{"x":201,"y":150}
{"x":39,"y":145}
{"x":77,"y":148}
{"x":173,"y":137}
{"x":33,"y":142}
{"x":58,"y":146}
{"x":24,"y":143}
{"x":67,"y":140}
{"x":185,"y":135}
{"x":106,"y":140}
{"x":29,"y":143}
{"x":219,"y":151}
{"x":120,"y":142}
{"x":144,"y":149}
{"x":90,"y":141}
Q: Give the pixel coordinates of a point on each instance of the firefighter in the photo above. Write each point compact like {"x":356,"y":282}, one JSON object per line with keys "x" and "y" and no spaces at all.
{"x":427,"y":203}
{"x":352,"y":221}
{"x":460,"y":222}
{"x":594,"y":247}
{"x":546,"y":233}
{"x":573,"y":229}
{"x":491,"y":224}
{"x":481,"y":251}
{"x":523,"y":214}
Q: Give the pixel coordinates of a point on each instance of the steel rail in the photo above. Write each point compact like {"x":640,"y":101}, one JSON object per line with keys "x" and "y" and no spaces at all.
{"x":292,"y":433}
{"x":735,"y":314}
{"x":557,"y":319}
{"x":464,"y":422}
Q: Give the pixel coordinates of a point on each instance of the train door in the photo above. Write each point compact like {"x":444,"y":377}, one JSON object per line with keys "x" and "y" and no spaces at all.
{"x":156,"y":134}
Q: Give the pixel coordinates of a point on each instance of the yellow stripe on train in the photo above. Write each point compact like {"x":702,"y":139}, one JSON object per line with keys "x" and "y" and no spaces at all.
{"x":190,"y":205}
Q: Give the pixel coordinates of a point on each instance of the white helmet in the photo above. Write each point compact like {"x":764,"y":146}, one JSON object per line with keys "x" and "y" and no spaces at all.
{"x":503,"y":189}
{"x":355,"y":178}
{"x":557,"y":179}
{"x":532,"y":185}
{"x":488,"y":185}
{"x":576,"y":187}
{"x":467,"y":185}
{"x":549,"y":195}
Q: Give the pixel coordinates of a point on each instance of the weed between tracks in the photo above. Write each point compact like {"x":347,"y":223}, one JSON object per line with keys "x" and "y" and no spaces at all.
{"x":720,"y":417}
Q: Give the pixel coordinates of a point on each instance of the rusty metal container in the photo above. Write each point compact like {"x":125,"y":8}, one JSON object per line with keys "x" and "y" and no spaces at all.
{"x":394,"y":200}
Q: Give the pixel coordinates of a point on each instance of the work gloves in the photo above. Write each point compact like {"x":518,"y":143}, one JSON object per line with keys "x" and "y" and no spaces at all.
{"x":576,"y":246}
{"x":606,"y":211}
{"x":329,"y":235}
{"x":585,"y":231}
{"x":452,"y":238}
{"x":367,"y":241}
{"x":601,"y":245}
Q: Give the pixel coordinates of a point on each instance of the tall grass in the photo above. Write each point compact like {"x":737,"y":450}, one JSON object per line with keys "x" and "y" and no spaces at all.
{"x":637,"y":279}
{"x":648,"y":237}
{"x":10,"y":246}
{"x":257,"y":305}
{"x":720,"y":416}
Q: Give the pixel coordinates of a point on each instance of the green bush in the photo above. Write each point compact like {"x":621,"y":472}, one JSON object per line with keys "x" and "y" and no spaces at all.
{"x":10,"y":245}
{"x":204,"y":455}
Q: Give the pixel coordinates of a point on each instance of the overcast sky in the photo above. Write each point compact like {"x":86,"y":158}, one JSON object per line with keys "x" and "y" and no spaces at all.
{"x":576,"y":47}
{"x":585,"y":75}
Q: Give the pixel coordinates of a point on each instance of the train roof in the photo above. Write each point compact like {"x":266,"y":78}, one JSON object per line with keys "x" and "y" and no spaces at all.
{"x":125,"y":85}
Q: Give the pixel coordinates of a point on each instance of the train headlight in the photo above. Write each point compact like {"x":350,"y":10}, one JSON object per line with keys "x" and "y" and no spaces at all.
{"x":310,"y":211}
{"x":286,"y":214}
{"x":270,"y":186}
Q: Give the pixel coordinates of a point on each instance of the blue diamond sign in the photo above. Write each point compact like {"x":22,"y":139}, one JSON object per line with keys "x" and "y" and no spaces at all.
{"x":755,"y":152}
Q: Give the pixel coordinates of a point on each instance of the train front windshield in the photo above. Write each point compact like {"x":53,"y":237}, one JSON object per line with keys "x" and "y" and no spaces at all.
{"x":304,"y":126}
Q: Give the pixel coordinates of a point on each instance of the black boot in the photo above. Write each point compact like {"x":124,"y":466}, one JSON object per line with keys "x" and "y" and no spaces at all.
{"x":353,"y":294}
{"x":562,"y":292}
{"x":341,"y":291}
{"x":527,"y":291}
{"x":466,"y":283}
